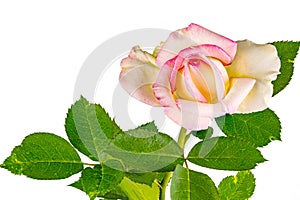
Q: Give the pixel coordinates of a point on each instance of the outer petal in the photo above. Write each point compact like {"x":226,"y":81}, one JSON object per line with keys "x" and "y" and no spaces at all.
{"x":138,"y":74}
{"x":181,"y":116}
{"x":258,"y":97}
{"x":193,"y":35}
{"x":259,"y":62}
{"x":202,"y":109}
{"x":240,"y":88}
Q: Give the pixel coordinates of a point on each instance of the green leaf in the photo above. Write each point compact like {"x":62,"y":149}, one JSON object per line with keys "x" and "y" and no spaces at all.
{"x":143,"y":149}
{"x":98,"y":181}
{"x":239,"y":187}
{"x":44,"y":156}
{"x":190,"y":185}
{"x":287,"y":52}
{"x":203,"y":134}
{"x":259,"y":128}
{"x":89,"y":128}
{"x":116,"y":194}
{"x":225,"y":154}
{"x":149,"y":126}
{"x":136,"y":191}
{"x":146,"y":178}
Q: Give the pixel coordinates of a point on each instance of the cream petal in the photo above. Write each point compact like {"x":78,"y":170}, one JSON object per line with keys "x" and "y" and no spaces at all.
{"x":192,"y":86}
{"x":258,"y":61}
{"x":138,"y":74}
{"x":239,"y":90}
{"x":258,"y":97}
{"x":193,"y":35}
{"x":182,"y":91}
{"x":220,"y":77}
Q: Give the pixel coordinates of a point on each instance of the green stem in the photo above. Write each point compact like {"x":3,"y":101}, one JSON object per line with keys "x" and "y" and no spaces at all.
{"x":181,"y":143}
{"x":164,"y":185}
{"x":181,"y":138}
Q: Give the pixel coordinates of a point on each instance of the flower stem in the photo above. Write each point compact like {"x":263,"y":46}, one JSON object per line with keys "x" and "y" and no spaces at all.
{"x":164,"y":185}
{"x":181,"y":138}
{"x":181,"y":142}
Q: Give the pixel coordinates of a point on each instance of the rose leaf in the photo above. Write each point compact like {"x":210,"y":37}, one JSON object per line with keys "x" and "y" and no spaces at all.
{"x":287,"y":52}
{"x":192,"y":185}
{"x":259,"y":128}
{"x":44,"y":156}
{"x":225,"y":153}
{"x":237,"y":187}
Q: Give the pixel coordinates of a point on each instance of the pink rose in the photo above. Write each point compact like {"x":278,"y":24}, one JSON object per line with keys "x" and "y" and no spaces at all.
{"x":197,"y":75}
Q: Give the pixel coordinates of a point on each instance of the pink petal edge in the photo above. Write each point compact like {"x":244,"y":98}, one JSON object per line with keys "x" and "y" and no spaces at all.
{"x":193,"y":35}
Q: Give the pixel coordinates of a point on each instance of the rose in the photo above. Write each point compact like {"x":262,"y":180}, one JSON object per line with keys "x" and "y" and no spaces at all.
{"x":198,"y":75}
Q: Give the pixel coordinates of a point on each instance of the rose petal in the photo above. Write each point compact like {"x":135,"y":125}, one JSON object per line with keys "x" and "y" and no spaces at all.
{"x":162,"y":89}
{"x":211,"y":79}
{"x":207,"y":50}
{"x":240,"y":88}
{"x":162,"y":92}
{"x":138,"y":74}
{"x":206,"y":79}
{"x":192,"y":86}
{"x":182,"y":117}
{"x":182,"y":91}
{"x":202,"y":109}
{"x":193,"y":35}
{"x":192,"y":122}
{"x":196,"y":52}
{"x":259,"y":61}
{"x":258,"y":98}
{"x":216,"y":79}
{"x":195,"y":115}
{"x":176,"y":64}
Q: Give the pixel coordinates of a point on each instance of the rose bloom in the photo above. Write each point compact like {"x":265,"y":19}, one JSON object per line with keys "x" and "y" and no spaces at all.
{"x":198,"y":75}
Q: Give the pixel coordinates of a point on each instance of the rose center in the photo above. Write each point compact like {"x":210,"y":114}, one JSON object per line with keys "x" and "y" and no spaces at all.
{"x":201,"y":80}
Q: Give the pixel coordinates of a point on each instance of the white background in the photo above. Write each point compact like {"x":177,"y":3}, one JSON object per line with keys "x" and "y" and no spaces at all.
{"x":43,"y":46}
